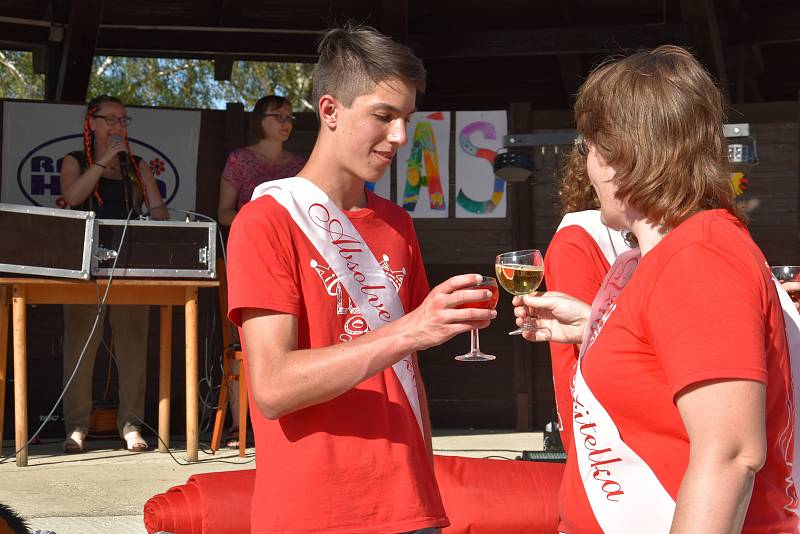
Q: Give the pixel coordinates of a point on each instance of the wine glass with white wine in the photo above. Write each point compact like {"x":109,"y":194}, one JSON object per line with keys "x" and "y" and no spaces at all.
{"x":520,"y":273}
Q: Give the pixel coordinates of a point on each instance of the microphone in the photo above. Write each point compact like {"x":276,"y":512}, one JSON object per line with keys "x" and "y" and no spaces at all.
{"x":121,"y":156}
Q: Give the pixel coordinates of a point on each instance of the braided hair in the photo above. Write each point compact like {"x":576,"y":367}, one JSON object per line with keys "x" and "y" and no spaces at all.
{"x":134,"y":174}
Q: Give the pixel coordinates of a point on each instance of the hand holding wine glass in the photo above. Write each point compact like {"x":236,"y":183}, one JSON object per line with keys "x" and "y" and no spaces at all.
{"x":520,"y":273}
{"x":560,"y":317}
{"x":789,"y":277}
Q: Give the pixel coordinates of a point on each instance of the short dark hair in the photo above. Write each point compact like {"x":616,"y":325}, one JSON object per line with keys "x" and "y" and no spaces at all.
{"x":11,"y":522}
{"x":353,"y":59}
{"x":264,"y":105}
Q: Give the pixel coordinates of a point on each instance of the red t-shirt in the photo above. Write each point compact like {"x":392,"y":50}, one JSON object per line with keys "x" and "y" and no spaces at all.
{"x":575,"y":265}
{"x":356,"y":463}
{"x":700,"y":306}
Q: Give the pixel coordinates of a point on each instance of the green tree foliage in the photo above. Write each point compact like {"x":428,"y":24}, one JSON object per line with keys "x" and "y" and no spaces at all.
{"x":182,"y":83}
{"x":190,"y":82}
{"x":17,"y":79}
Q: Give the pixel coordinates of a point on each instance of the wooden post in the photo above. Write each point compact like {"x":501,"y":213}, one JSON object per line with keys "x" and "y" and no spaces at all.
{"x":3,"y":356}
{"x":20,"y":376}
{"x":522,"y":231}
{"x":192,"y":430}
{"x":164,"y":375}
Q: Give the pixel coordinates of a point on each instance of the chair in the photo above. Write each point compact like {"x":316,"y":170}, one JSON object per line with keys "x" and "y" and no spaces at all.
{"x":232,"y":352}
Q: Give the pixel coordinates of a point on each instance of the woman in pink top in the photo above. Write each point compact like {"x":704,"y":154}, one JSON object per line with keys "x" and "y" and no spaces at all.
{"x":265,"y":160}
{"x":247,"y":167}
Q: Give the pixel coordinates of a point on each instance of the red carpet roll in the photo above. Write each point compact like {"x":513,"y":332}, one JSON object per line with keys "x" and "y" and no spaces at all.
{"x":210,"y":503}
{"x":480,"y":496}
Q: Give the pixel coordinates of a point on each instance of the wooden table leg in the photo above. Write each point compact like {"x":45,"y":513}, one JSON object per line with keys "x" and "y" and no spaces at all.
{"x":192,"y":416}
{"x":164,"y":376}
{"x":20,"y":376}
{"x":3,"y":356}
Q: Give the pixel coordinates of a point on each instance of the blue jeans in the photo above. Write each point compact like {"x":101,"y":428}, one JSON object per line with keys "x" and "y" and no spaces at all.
{"x":429,"y":530}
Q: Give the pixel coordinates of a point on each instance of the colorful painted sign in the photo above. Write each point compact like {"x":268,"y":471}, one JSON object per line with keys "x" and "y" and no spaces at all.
{"x":479,"y":192}
{"x":423,"y":166}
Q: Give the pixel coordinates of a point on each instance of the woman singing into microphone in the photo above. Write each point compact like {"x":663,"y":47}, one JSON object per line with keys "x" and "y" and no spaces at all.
{"x":106,"y":178}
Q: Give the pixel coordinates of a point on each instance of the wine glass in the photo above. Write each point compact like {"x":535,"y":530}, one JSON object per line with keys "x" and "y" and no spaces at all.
{"x":475,"y":354}
{"x":520,"y":273}
{"x":788,"y":273}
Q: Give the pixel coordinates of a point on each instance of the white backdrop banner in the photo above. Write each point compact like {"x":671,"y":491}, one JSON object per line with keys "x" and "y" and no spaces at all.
{"x":37,"y":136}
{"x":423,"y":166}
{"x":479,"y":193}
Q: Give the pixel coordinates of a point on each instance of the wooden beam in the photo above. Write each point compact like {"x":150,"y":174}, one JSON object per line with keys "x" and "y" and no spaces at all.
{"x":205,"y":43}
{"x":703,"y":28}
{"x":776,"y":25}
{"x":223,"y":68}
{"x":24,"y":34}
{"x":78,"y":51}
{"x":546,"y":41}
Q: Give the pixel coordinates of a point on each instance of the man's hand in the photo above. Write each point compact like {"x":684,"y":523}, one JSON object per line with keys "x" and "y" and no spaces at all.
{"x":439,"y":317}
{"x":561,"y":318}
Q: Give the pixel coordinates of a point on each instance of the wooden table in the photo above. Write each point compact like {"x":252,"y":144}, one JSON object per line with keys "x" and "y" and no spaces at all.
{"x":164,"y":293}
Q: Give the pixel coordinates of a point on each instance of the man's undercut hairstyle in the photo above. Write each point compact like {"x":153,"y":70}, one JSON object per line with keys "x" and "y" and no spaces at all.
{"x":656,"y":117}
{"x":354,"y":59}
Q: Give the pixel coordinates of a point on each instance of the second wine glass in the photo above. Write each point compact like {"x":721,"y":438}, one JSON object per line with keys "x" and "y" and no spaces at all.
{"x":520,"y":272}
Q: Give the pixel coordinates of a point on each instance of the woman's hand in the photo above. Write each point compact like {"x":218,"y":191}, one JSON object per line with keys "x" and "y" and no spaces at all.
{"x":793,"y":288}
{"x":117,"y":145}
{"x":561,"y":317}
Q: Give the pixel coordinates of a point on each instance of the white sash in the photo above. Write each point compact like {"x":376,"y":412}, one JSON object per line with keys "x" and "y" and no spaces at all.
{"x":609,"y":241}
{"x":791,"y":320}
{"x":349,"y":257}
{"x":624,"y":493}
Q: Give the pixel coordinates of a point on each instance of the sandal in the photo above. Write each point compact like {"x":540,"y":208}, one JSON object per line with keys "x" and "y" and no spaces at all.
{"x":232,"y":439}
{"x":74,"y":442}
{"x":134,"y":442}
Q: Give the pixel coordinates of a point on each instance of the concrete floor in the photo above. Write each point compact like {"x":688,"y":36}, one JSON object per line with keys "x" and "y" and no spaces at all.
{"x":104,"y":489}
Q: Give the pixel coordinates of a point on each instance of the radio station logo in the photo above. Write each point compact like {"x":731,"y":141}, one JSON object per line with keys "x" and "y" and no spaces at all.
{"x":39,"y":172}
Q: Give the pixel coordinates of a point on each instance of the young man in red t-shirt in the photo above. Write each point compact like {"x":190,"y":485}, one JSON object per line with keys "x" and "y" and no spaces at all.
{"x":341,"y":444}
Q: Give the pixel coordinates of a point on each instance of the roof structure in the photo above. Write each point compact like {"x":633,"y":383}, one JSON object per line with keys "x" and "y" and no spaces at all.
{"x":477,"y":53}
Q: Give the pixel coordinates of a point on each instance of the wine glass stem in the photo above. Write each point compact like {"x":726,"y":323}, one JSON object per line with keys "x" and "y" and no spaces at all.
{"x":475,"y":341}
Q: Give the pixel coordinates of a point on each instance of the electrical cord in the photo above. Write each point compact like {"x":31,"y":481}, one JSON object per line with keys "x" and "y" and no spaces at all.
{"x":100,"y":304}
{"x":208,"y":407}
{"x":250,"y":457}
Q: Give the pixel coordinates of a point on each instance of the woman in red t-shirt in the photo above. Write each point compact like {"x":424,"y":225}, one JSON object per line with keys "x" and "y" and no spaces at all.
{"x":682,"y":399}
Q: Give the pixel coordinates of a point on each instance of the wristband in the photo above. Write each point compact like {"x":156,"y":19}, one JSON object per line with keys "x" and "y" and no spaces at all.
{"x":99,"y":164}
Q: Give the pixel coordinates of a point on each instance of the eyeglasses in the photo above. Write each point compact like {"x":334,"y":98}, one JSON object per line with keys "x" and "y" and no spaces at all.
{"x":111,"y":120}
{"x":581,"y":146}
{"x":281,"y":118}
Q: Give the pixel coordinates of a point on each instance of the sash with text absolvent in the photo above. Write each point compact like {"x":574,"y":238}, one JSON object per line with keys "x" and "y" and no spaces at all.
{"x":624,"y":493}
{"x":349,"y":257}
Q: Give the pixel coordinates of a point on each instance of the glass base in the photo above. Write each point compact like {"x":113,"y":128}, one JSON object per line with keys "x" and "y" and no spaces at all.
{"x":475,"y":357}
{"x":525,"y":328}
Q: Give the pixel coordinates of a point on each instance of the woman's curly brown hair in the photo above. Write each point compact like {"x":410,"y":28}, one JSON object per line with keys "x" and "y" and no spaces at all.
{"x":575,"y":191}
